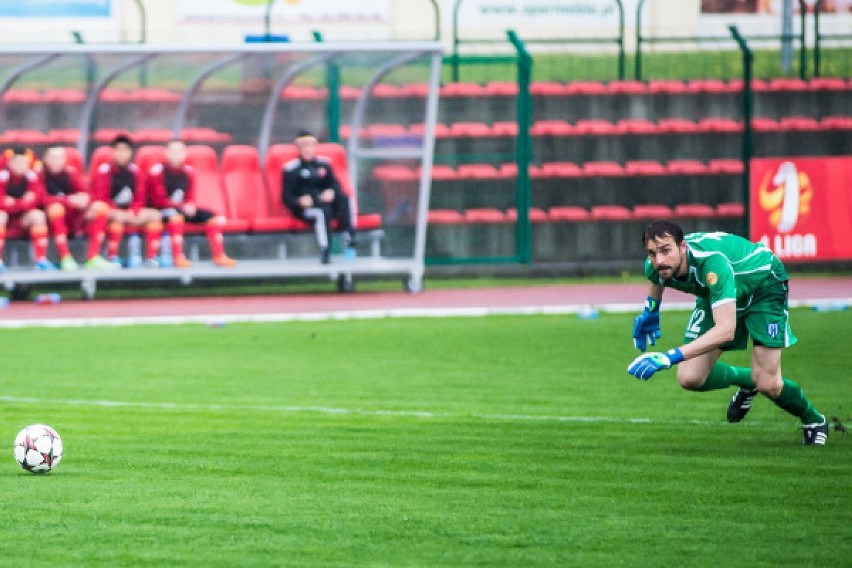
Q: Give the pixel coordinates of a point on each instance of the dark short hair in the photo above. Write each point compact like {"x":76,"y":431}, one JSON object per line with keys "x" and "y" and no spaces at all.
{"x":658,"y":229}
{"x":121,"y":139}
{"x":306,"y":134}
{"x":19,"y":151}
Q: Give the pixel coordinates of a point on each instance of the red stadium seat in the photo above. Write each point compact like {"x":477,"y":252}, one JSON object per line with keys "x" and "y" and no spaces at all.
{"x":25,"y":137}
{"x":73,"y":158}
{"x":472,"y":90}
{"x":116,"y":96}
{"x":787,"y":84}
{"x":686,"y":167}
{"x":611,"y":212}
{"x":152,"y":135}
{"x":828,"y":84}
{"x":836,"y":122}
{"x":485,"y":215}
{"x":23,"y":96}
{"x":387,"y":91}
{"x":470,"y":129}
{"x":636,"y":126}
{"x":552,"y":128}
{"x":652,"y":212}
{"x":595,"y":126}
{"x":765,"y":124}
{"x":666,"y":86}
{"x":349,"y":93}
{"x":730,"y":210}
{"x":537,"y":215}
{"x":725,"y":166}
{"x":586,"y":88}
{"x":510,"y":170}
{"x":567,"y":213}
{"x":442,"y":172}
{"x":445,"y":217}
{"x":478,"y":171}
{"x":799,"y":123}
{"x":148,"y":155}
{"x":645,"y":168}
{"x":154,"y":95}
{"x":418,"y":90}
{"x":682,"y":125}
{"x":65,"y":96}
{"x":63,"y":136}
{"x":204,"y":135}
{"x":694,"y":210}
{"x":208,"y":187}
{"x":441,"y":130}
{"x":297,"y":92}
{"x":548,"y":89}
{"x":99,"y":156}
{"x":504,"y":129}
{"x":603,"y":169}
{"x":562,"y":169}
{"x":713,"y":86}
{"x":242,"y":181}
{"x":105,"y":135}
{"x":627,"y":87}
{"x":719,"y":124}
{"x":392,"y":173}
{"x":501,"y":89}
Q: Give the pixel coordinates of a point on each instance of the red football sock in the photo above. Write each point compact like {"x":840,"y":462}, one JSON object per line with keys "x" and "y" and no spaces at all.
{"x":56,"y":218}
{"x":213,"y":229}
{"x":176,"y":232}
{"x":153,"y":230}
{"x":115,"y":230}
{"x":95,"y":229}
{"x":38,"y":238}
{"x":2,"y":241}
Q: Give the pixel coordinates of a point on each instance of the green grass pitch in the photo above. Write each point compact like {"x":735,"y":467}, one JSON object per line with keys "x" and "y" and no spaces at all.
{"x":496,"y":441}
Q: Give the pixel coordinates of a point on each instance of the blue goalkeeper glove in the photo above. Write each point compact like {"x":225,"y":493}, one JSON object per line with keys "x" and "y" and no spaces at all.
{"x":646,"y":326}
{"x":644,"y":366}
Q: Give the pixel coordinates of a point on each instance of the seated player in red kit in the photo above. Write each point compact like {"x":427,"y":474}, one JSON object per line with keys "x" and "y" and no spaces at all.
{"x":69,"y":208}
{"x":120,"y":184}
{"x":171,"y":190}
{"x":21,"y":192}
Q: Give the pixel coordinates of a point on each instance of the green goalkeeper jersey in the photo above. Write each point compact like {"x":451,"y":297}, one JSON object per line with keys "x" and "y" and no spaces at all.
{"x":724,"y":267}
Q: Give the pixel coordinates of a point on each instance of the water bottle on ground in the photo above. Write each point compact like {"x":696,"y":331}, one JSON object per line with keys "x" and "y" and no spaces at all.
{"x":50,"y":298}
{"x":134,"y":250}
{"x":166,"y":260}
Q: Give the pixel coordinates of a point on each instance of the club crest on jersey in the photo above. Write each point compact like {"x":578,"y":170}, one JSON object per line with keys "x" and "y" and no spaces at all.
{"x":712,"y":278}
{"x":773,"y":329}
{"x":321,"y":172}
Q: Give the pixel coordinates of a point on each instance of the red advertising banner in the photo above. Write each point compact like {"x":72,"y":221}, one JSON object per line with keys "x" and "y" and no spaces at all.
{"x":801,"y":208}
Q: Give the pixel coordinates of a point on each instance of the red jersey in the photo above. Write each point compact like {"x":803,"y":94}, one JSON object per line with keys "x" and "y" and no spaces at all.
{"x":26,"y":190}
{"x":120,"y":186}
{"x":171,"y":187}
{"x":59,"y":186}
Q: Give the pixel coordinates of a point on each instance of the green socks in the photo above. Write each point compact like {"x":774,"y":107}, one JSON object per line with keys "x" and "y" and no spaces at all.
{"x":794,"y":401}
{"x":791,"y":398}
{"x":723,"y":376}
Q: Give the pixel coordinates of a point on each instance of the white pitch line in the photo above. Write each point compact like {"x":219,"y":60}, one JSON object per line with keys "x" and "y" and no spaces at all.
{"x":341,"y":315}
{"x":427,"y":414}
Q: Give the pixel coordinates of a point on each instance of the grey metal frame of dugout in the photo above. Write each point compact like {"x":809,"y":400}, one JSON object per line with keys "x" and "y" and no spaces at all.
{"x":398,"y":54}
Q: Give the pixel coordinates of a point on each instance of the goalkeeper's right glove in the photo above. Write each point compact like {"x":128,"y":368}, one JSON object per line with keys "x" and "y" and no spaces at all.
{"x":646,"y":326}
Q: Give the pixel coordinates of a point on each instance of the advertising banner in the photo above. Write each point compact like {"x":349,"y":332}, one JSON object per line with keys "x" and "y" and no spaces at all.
{"x":801,"y":208}
{"x":292,"y":11}
{"x":55,"y":9}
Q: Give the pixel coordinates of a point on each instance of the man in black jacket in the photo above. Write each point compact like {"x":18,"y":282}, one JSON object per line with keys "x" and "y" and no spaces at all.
{"x":312,"y":192}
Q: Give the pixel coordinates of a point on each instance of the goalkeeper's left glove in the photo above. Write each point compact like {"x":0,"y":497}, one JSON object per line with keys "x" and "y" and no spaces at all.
{"x":644,"y":366}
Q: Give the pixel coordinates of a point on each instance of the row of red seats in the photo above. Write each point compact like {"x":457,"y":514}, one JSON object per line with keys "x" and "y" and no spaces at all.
{"x":440,"y":172}
{"x":458,"y":89}
{"x":29,"y":137}
{"x":599,"y":127}
{"x":561,"y":214}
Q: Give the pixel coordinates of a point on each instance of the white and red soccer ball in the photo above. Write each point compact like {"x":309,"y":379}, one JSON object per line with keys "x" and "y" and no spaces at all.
{"x":38,"y":448}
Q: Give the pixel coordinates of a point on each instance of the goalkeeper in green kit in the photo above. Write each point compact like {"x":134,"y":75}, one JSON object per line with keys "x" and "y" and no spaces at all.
{"x":741,"y":292}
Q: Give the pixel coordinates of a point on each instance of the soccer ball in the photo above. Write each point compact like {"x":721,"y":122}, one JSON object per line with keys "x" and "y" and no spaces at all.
{"x":38,"y":448}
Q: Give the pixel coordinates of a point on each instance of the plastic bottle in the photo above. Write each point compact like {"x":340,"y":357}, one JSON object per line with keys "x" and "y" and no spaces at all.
{"x":831,"y":306}
{"x":166,"y":260}
{"x":4,"y":302}
{"x":588,"y":313}
{"x":50,"y":298}
{"x":134,"y":250}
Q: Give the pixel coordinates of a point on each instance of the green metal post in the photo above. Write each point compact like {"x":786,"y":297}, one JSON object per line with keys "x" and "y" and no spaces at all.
{"x":803,"y":50}
{"x":455,"y":56}
{"x":637,"y":71}
{"x":747,"y":149}
{"x":332,"y":83}
{"x":523,"y":229}
{"x":267,"y":19}
{"x":621,"y":55}
{"x":817,"y":37}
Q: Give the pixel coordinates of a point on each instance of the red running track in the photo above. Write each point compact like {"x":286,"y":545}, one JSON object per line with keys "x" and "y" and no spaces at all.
{"x":802,"y":291}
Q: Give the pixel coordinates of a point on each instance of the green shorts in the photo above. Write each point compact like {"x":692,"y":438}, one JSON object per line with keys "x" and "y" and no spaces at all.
{"x":764,"y":317}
